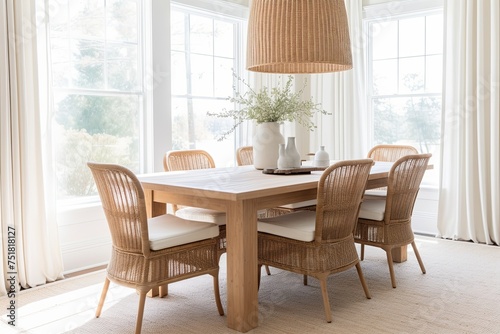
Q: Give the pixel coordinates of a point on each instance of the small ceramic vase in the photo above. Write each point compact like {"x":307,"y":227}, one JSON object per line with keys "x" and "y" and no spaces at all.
{"x":282,"y":160}
{"x":321,"y":158}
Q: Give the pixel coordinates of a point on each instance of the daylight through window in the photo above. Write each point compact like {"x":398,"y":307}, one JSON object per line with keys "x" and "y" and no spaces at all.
{"x":405,"y":67}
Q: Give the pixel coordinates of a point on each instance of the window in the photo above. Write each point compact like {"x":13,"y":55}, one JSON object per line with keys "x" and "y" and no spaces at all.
{"x":404,"y":83}
{"x":100,"y":89}
{"x":205,"y":49}
{"x":97,"y":85}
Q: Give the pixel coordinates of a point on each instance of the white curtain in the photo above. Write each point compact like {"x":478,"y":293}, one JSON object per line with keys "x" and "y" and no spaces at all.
{"x":24,"y":204}
{"x":469,"y":204}
{"x":344,"y":133}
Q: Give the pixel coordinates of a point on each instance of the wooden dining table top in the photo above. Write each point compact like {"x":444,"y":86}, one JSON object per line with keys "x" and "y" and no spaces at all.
{"x":243,"y":181}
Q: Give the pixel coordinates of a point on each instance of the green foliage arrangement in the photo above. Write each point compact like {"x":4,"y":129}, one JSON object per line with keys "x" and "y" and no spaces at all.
{"x":276,"y":105}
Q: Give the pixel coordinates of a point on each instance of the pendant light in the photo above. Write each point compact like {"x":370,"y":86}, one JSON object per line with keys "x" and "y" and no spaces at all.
{"x":298,"y":36}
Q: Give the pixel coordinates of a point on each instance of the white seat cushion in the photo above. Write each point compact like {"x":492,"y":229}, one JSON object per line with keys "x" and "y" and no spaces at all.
{"x":299,"y":205}
{"x":298,"y":225}
{"x":202,"y":215}
{"x":168,"y":231}
{"x":377,"y":193}
{"x":373,"y":209}
{"x":205,"y":215}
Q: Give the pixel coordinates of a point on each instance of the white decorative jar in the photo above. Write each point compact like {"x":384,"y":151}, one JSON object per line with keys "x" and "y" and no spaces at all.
{"x":321,"y":158}
{"x":266,"y":141}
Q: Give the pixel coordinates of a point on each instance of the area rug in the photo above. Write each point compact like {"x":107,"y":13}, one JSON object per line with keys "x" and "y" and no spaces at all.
{"x":459,"y":294}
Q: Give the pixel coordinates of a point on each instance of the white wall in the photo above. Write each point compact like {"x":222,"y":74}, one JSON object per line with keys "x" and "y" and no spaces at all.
{"x":84,"y":237}
{"x":424,"y":219}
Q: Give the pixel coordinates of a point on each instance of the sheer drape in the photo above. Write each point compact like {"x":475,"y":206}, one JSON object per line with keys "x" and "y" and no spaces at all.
{"x":344,"y":133}
{"x":470,"y":176}
{"x":23,"y":201}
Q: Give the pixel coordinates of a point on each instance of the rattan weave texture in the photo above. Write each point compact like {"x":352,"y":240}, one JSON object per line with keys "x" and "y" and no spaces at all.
{"x":395,"y":229}
{"x":133,"y":263}
{"x":340,"y":191}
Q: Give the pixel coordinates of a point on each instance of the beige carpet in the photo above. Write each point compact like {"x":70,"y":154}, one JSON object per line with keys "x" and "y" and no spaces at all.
{"x":459,"y":294}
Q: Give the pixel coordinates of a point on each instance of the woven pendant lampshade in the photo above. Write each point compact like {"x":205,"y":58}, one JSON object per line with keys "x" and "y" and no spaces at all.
{"x":298,"y":36}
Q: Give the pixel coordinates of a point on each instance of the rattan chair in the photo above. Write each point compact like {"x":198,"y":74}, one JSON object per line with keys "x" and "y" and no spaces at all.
{"x":386,"y":222}
{"x":244,"y":155}
{"x":319,"y":243}
{"x":148,"y":253}
{"x":189,"y":160}
{"x":387,"y":152}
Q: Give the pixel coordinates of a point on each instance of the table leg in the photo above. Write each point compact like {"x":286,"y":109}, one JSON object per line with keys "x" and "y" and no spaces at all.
{"x":242,"y":300}
{"x":154,"y":209}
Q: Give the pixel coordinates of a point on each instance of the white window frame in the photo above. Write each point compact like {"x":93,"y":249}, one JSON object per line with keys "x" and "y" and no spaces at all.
{"x":232,"y":11}
{"x":388,"y":12}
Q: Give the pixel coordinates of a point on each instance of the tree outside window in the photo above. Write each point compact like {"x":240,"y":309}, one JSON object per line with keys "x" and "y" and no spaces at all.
{"x":97,"y":89}
{"x":203,"y":56}
{"x":405,"y":57}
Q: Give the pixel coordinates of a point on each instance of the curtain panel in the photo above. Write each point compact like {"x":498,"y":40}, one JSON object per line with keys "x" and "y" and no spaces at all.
{"x":32,"y":256}
{"x":344,"y":132}
{"x":470,"y":158}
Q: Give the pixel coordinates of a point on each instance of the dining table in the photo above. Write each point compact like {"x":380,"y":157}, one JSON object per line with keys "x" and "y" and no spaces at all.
{"x":240,"y":192}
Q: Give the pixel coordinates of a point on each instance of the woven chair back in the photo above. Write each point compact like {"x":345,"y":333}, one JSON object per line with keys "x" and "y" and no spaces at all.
{"x":390,"y":152}
{"x":340,"y":192}
{"x":403,"y":185}
{"x":124,"y":205}
{"x":244,"y":155}
{"x":187,"y":160}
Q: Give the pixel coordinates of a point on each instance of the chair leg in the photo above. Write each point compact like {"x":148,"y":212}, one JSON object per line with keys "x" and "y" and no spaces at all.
{"x":217,"y":293}
{"x":267,"y":270}
{"x":391,"y":266}
{"x":140,"y":311}
{"x":419,"y":259}
{"x":363,"y":282}
{"x":163,"y":290}
{"x":305,"y":279}
{"x":362,"y":252}
{"x":259,"y":269}
{"x":103,"y":297}
{"x":326,"y":302}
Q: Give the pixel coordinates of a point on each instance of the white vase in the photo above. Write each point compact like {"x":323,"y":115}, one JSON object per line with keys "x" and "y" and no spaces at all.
{"x":266,"y":140}
{"x":283,"y":160}
{"x":292,"y":154}
{"x":321,"y":158}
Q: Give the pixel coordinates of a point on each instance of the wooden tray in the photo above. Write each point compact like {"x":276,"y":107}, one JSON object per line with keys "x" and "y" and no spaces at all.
{"x":291,"y":171}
